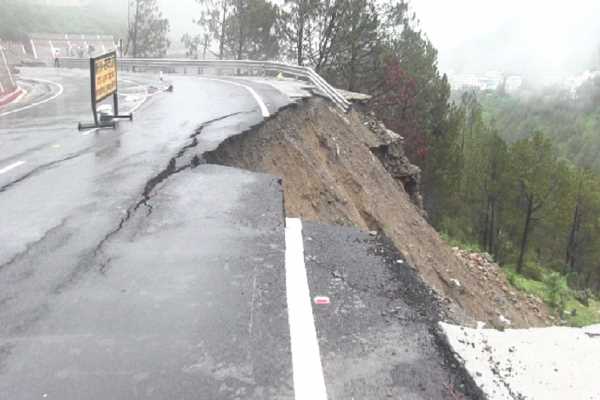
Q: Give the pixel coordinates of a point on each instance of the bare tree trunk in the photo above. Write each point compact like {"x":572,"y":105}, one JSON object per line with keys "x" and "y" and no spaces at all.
{"x":484,"y":225}
{"x":572,"y":243}
{"x":300,"y":38}
{"x":525,"y":236}
{"x":492,"y":227}
{"x":329,"y":35}
{"x":352,"y":77}
{"x":135,"y":28}
{"x":205,"y":47}
{"x":222,"y":35}
{"x":240,"y":35}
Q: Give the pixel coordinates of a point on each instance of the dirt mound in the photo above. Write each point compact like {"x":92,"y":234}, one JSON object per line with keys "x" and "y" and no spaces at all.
{"x":332,"y":170}
{"x":491,"y":283}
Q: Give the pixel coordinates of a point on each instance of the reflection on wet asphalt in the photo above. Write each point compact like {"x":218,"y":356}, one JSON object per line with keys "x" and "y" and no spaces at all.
{"x":128,"y":269}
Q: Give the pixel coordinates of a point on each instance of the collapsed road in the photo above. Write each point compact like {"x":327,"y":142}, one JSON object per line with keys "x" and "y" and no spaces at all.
{"x":131,"y":268}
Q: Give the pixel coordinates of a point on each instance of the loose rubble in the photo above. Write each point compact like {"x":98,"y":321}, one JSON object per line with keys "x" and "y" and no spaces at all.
{"x":348,"y":169}
{"x":490,"y":277}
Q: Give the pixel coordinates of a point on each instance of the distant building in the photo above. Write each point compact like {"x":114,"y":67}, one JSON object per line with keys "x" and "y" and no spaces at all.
{"x":489,"y":81}
{"x":513,"y":83}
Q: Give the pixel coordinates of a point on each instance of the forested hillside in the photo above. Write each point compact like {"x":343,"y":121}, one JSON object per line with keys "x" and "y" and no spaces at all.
{"x":528,"y":187}
{"x":516,"y":177}
{"x":570,"y":119}
{"x":20,"y":17}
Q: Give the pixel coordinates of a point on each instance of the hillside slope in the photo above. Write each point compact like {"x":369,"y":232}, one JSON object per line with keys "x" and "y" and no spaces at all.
{"x":331,"y":174}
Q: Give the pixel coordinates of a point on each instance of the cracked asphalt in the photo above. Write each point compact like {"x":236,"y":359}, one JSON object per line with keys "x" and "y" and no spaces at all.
{"x":132,"y":269}
{"x":377,"y":335}
{"x":128,"y":268}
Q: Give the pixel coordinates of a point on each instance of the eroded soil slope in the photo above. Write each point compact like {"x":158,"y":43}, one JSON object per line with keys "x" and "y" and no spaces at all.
{"x":331,"y":175}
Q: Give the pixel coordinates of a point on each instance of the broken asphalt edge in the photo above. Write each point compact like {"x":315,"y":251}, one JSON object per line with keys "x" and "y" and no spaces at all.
{"x":443,"y":342}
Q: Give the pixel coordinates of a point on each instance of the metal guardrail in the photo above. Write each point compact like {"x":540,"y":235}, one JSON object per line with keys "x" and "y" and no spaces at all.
{"x":222,"y":67}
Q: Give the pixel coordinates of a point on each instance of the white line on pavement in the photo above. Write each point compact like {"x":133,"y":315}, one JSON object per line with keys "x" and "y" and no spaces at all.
{"x":261,"y":104}
{"x":142,"y":101}
{"x":309,"y":383}
{"x":11,"y":167}
{"x":60,"y":92}
{"x":85,"y":133}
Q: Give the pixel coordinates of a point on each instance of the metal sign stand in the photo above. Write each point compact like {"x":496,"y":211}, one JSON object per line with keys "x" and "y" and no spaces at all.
{"x":105,"y":121}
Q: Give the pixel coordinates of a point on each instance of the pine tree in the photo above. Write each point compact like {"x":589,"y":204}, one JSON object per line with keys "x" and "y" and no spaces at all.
{"x":357,"y":48}
{"x":295,"y":23}
{"x":534,"y":163}
{"x":148,"y":30}
{"x":214,"y":17}
{"x":243,"y":29}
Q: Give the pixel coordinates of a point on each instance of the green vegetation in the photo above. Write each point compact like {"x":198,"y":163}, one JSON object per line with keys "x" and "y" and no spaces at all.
{"x":570,"y":120}
{"x":554,"y":291}
{"x":526,"y":189}
{"x":550,"y":287}
{"x":453,"y":242}
{"x":524,"y":201}
{"x":19,"y":18}
{"x":147,"y":30}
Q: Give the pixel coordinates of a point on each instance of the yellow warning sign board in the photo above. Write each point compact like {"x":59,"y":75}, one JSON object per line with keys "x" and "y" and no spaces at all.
{"x":104,"y":76}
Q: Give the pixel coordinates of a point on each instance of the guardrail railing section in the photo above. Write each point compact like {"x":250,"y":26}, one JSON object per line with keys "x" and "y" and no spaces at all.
{"x":221,"y":67}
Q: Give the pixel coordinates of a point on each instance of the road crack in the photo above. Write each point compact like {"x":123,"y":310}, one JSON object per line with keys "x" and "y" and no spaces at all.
{"x":30,"y":246}
{"x":41,"y":168}
{"x":171,"y":169}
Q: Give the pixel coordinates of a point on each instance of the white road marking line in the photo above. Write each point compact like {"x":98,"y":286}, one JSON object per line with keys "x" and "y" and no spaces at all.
{"x":60,"y":92}
{"x":142,"y":101}
{"x":309,"y":383}
{"x":261,"y":104}
{"x":85,"y":133}
{"x":34,"y":49}
{"x":11,"y":167}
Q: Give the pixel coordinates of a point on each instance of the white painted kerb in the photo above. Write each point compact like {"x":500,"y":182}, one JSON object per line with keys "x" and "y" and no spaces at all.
{"x":309,"y":383}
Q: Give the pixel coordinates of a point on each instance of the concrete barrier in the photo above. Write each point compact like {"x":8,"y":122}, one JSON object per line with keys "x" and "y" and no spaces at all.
{"x":45,"y":45}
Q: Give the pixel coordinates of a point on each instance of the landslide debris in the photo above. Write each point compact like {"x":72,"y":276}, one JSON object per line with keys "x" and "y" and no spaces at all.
{"x":348,"y":169}
{"x":491,"y":282}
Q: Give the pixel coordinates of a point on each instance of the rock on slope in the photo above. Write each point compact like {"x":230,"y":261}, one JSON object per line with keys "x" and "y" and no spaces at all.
{"x":332,"y":170}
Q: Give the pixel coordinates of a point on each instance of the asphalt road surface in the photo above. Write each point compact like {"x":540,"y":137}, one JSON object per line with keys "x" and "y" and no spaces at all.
{"x":131,"y":269}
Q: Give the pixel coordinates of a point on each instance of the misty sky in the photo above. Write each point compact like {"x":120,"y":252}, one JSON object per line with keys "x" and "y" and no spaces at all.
{"x":522,"y":36}
{"x":531,"y":37}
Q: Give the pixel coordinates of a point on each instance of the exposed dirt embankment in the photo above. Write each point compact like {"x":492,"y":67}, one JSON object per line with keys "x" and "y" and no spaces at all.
{"x":333,"y":167}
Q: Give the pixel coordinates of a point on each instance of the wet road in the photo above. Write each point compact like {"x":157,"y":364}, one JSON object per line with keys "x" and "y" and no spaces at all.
{"x":125,"y":273}
{"x":131,"y":269}
{"x":376,"y":335}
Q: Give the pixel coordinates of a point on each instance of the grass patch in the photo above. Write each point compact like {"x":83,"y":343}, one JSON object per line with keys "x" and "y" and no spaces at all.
{"x":549,"y":286}
{"x":470,"y":247}
{"x":584,"y":315}
{"x":554,"y":292}
{"x":527,"y":285}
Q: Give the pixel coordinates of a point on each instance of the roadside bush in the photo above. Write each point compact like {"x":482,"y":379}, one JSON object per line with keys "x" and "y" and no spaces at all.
{"x":462,"y":244}
{"x":556,"y":266}
{"x":583,"y":296}
{"x":533,"y":271}
{"x":557,"y":289}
